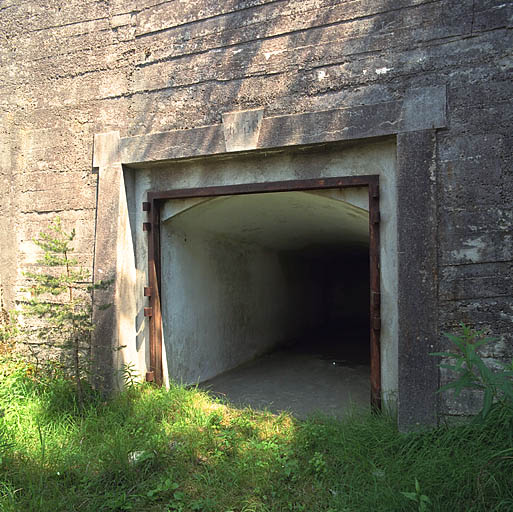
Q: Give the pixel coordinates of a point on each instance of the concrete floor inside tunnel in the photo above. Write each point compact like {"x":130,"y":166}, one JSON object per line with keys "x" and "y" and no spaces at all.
{"x":330,"y":376}
{"x":266,"y":299}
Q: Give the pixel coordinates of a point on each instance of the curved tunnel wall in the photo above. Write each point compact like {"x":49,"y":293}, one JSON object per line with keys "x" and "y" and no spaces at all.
{"x":243,"y":274}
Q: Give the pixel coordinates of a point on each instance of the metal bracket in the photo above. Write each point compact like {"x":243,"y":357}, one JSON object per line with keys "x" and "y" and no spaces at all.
{"x":148,"y":311}
{"x":146,"y":207}
{"x":147,"y":226}
{"x":147,"y":291}
{"x":150,"y":376}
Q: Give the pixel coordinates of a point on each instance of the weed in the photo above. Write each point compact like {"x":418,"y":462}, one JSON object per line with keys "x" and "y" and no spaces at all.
{"x":5,"y":441}
{"x":165,"y":488}
{"x":61,"y":299}
{"x":9,"y":329}
{"x":472,"y":373}
{"x":421,"y":499}
{"x":318,"y":464}
{"x":130,"y":375}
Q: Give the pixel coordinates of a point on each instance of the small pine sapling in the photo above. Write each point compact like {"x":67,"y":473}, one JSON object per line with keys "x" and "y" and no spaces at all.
{"x":61,"y":298}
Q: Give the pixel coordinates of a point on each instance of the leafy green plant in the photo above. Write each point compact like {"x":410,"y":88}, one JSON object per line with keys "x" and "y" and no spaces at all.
{"x":61,"y":299}
{"x":472,"y":372}
{"x":130,"y":375}
{"x":318,"y":464}
{"x":5,"y":441}
{"x":164,"y":487}
{"x":421,"y":499}
{"x":203,"y":505}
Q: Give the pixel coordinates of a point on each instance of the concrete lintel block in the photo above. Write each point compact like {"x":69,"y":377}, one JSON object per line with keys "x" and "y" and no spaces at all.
{"x":241,"y":129}
{"x":421,"y":109}
{"x":106,"y":149}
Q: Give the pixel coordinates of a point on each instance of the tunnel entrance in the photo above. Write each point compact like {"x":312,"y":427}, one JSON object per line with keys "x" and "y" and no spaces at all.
{"x":265,"y":297}
{"x":325,"y":365}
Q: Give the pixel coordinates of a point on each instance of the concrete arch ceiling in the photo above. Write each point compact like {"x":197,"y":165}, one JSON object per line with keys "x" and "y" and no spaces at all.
{"x":283,"y":221}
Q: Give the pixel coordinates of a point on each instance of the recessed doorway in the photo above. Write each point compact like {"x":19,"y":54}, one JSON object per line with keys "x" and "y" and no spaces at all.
{"x":265,"y":295}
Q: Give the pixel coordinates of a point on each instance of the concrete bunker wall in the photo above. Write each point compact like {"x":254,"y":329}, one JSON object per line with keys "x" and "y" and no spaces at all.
{"x":243,"y":274}
{"x":73,"y":69}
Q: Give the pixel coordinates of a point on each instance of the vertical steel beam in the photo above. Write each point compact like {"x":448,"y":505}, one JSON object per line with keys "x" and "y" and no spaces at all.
{"x":375,"y":294}
{"x":155,"y":373}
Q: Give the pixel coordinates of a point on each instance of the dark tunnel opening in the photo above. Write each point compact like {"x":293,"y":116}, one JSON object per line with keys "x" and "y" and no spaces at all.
{"x":270,"y":300}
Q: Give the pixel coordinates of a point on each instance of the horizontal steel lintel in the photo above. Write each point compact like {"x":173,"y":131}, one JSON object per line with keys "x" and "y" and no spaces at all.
{"x":272,"y":186}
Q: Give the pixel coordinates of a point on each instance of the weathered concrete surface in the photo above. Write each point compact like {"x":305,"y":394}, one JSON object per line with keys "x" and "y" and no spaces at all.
{"x":72,"y":69}
{"x":418,"y":283}
{"x":8,"y":252}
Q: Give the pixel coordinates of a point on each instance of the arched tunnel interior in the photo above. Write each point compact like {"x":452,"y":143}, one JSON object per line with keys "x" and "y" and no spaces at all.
{"x":265,"y":298}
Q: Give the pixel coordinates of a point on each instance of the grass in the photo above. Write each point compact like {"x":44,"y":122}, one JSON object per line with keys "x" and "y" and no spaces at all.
{"x":150,"y":449}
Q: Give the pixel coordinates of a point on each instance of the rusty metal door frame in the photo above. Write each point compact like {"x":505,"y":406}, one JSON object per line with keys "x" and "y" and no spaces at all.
{"x":154,"y":311}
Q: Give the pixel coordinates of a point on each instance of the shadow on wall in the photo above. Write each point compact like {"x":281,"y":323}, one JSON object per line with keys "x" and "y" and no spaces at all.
{"x":287,"y":57}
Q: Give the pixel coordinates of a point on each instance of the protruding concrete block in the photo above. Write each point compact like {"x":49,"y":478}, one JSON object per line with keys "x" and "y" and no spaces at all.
{"x":113,"y":262}
{"x":417,"y":279}
{"x":424,"y":108}
{"x":241,"y":129}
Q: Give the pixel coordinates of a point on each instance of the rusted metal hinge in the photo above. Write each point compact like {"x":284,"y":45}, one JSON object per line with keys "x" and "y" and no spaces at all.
{"x":148,"y":311}
{"x":148,"y":291}
{"x":150,"y":376}
{"x":375,"y":217}
{"x":147,"y":226}
{"x":146,"y":206}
